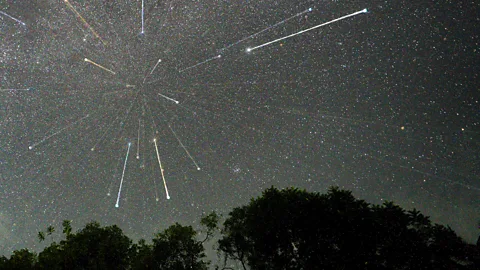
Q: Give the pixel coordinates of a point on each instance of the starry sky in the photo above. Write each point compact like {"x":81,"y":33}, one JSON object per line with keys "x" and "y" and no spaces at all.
{"x":385,"y":103}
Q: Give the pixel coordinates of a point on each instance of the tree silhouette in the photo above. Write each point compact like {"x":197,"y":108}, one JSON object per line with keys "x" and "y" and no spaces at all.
{"x":93,"y":247}
{"x":294,"y":229}
{"x":50,"y":231}
{"x":210,"y":222}
{"x":41,"y":236}
{"x":20,"y":260}
{"x":176,"y":248}
{"x":282,"y":229}
{"x":67,"y":227}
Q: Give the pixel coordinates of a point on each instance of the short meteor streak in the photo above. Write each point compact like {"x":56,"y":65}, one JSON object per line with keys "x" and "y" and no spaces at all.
{"x":306,"y":30}
{"x":123,"y":174}
{"x":161,"y":169}
{"x":84,"y":21}
{"x":201,"y":63}
{"x":171,"y":99}
{"x":158,"y":62}
{"x":56,"y":133}
{"x":17,"y":20}
{"x":268,"y":28}
{"x":184,"y":148}
{"x":100,"y":66}
{"x":153,"y":69}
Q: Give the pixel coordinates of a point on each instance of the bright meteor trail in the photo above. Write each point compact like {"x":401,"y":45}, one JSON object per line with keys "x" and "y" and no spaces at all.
{"x":306,"y":30}
{"x":123,"y":175}
{"x":100,"y":66}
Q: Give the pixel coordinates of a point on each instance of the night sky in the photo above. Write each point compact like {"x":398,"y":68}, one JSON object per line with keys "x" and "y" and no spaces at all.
{"x":385,"y":103}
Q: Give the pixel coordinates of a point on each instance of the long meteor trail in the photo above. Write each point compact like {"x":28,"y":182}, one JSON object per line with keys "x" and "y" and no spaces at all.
{"x":84,"y":21}
{"x":306,"y":30}
{"x":143,"y":16}
{"x":58,"y":132}
{"x":184,"y":148}
{"x":161,"y":169}
{"x":123,"y":174}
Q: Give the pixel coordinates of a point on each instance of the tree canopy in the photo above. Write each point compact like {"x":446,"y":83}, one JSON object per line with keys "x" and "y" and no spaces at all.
{"x":281,"y":229}
{"x":295,"y":229}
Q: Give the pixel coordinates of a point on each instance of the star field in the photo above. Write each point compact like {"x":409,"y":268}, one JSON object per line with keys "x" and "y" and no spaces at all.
{"x":385,"y":104}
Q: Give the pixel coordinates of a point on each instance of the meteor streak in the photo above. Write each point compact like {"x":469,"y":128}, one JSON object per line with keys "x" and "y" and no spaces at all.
{"x":184,"y":148}
{"x":161,"y":169}
{"x":158,"y":62}
{"x":56,"y":133}
{"x":102,"y":67}
{"x":153,"y":69}
{"x":268,"y":28}
{"x":201,"y":63}
{"x":17,"y":20}
{"x":84,"y":21}
{"x":138,"y":140}
{"x":171,"y":99}
{"x":143,"y":16}
{"x":306,"y":30}
{"x":123,"y":174}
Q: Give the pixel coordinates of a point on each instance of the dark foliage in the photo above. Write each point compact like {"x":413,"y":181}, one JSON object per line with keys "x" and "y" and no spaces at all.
{"x":282,"y":229}
{"x":294,"y":229}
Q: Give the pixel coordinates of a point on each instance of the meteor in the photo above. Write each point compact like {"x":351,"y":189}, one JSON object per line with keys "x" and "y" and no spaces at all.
{"x":161,"y":169}
{"x":138,"y":140}
{"x":123,"y":174}
{"x":201,"y":63}
{"x":56,"y":133}
{"x":84,"y":21}
{"x":171,"y":99}
{"x":306,"y":30}
{"x":143,"y":17}
{"x":151,"y":72}
{"x":268,"y":28}
{"x":158,"y":62}
{"x":100,"y":66}
{"x":184,"y":148}
{"x":17,"y":20}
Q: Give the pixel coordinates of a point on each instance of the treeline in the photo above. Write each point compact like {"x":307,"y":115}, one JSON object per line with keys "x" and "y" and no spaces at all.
{"x":282,"y":229}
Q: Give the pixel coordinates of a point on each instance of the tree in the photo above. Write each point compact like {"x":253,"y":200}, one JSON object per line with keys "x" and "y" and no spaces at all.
{"x":282,"y":229}
{"x":210,"y":222}
{"x":295,"y":229}
{"x":175,"y":248}
{"x":142,"y":256}
{"x":3,"y":262}
{"x":67,"y":227}
{"x":20,"y":260}
{"x":41,"y":236}
{"x":50,"y":231}
{"x":52,"y":258}
{"x":93,"y":247}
